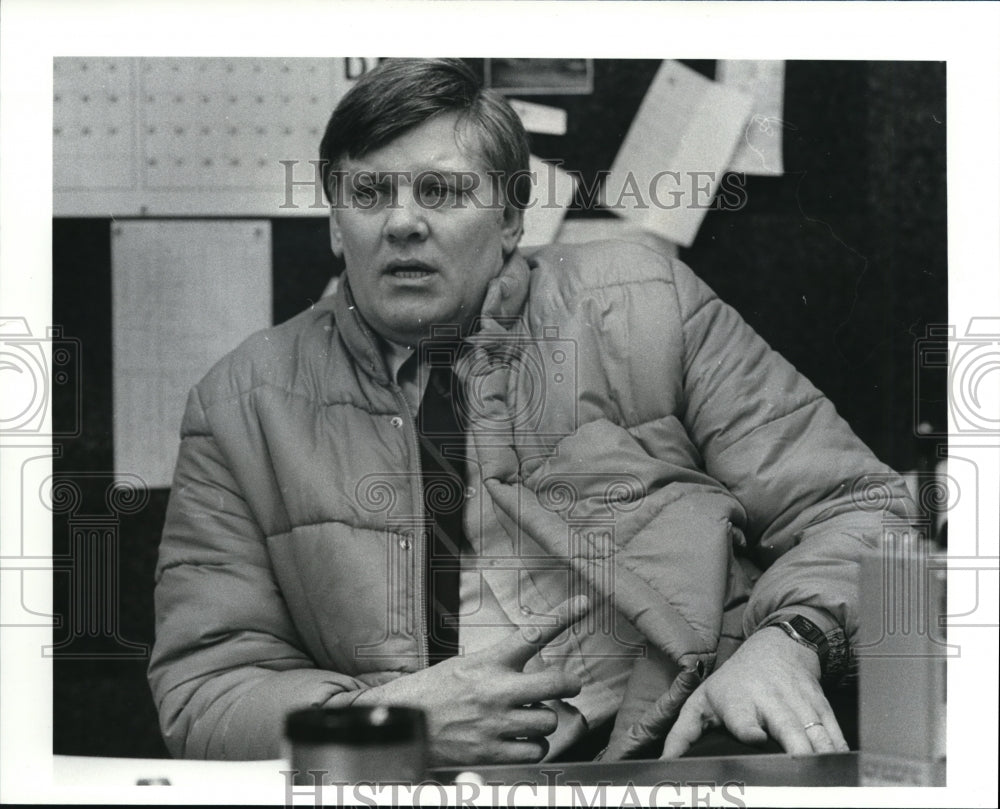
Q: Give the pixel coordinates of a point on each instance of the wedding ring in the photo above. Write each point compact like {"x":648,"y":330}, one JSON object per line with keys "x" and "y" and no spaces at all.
{"x":811,"y":725}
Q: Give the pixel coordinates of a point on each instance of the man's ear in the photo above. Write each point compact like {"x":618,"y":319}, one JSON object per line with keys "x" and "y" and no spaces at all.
{"x":336,"y":239}
{"x":511,"y":229}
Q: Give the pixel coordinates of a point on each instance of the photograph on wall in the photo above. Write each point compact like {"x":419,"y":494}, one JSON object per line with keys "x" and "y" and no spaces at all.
{"x":540,"y":76}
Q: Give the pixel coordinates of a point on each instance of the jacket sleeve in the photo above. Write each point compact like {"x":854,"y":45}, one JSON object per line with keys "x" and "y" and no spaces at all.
{"x":814,"y":494}
{"x":227,"y":664}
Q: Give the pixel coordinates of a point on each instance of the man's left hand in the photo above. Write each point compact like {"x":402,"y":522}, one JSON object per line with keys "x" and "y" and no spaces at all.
{"x":768,"y":688}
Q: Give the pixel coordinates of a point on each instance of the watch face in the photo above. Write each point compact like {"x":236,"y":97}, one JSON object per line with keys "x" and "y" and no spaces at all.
{"x":810,"y":632}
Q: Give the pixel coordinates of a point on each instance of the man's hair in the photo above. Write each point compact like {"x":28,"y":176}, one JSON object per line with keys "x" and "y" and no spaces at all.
{"x":401,"y":94}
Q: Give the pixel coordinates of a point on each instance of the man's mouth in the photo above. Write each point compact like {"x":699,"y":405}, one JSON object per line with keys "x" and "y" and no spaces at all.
{"x":409,"y":270}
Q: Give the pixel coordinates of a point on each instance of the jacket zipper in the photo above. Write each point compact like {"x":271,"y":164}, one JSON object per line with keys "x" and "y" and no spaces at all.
{"x":419,"y":548}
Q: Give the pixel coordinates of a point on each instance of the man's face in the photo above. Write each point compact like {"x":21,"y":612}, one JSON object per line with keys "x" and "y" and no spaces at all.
{"x":417,"y":252}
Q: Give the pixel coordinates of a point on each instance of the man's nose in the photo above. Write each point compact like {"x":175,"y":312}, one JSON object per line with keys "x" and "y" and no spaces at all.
{"x":406,"y":218}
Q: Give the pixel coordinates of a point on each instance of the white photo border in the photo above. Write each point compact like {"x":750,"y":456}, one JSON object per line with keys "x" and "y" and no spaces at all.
{"x":961,"y":34}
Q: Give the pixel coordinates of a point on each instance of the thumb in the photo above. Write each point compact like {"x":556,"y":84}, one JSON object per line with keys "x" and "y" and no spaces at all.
{"x":695,"y":716}
{"x":521,"y":645}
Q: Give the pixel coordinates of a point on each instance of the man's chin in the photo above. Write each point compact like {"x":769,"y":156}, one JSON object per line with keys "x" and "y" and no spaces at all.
{"x":413,"y":329}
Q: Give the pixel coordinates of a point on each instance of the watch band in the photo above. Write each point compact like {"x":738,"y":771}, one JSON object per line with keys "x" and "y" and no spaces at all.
{"x":804,"y":631}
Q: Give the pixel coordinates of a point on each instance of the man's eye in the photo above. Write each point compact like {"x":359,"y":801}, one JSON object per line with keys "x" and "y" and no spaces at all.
{"x":368,"y":195}
{"x":434,"y":192}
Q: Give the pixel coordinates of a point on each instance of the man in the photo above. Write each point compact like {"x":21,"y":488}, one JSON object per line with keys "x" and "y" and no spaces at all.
{"x":530,"y":495}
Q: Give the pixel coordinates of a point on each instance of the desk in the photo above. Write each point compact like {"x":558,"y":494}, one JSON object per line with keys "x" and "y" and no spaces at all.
{"x":835,"y":769}
{"x":840,"y":769}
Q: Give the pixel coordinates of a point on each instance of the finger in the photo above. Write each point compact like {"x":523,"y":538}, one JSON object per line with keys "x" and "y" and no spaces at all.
{"x":691,"y":722}
{"x":819,"y":737}
{"x":788,"y":728}
{"x":521,"y":751}
{"x":520,"y":646}
{"x":538,"y":686}
{"x":529,"y":723}
{"x":829,"y":720}
{"x":743,"y":722}
{"x":795,"y":715}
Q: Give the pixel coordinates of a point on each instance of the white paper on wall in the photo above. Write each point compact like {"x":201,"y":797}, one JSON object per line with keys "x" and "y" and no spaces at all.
{"x":183,"y":295}
{"x":759,"y":151}
{"x":540,"y":118}
{"x":552,"y":192}
{"x":665,"y":175}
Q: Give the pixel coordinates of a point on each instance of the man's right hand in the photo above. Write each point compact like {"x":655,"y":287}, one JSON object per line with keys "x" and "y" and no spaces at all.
{"x":483,"y":708}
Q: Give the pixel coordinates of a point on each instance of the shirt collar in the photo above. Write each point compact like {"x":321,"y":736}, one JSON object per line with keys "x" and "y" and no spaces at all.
{"x":395,"y":356}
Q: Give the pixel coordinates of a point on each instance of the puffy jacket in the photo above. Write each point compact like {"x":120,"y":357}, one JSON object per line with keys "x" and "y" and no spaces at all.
{"x":623,"y":419}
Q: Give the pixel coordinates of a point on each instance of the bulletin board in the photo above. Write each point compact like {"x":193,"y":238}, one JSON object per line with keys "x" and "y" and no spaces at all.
{"x":205,"y":136}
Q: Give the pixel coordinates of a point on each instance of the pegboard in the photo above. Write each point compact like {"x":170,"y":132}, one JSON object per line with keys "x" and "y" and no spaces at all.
{"x":93,"y":133}
{"x":190,"y":136}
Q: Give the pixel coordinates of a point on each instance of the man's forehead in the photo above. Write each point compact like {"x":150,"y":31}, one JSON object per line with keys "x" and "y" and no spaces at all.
{"x":440,"y":143}
{"x":403,"y":169}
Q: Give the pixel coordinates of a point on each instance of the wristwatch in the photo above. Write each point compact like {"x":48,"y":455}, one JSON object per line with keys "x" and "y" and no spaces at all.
{"x":802,"y":630}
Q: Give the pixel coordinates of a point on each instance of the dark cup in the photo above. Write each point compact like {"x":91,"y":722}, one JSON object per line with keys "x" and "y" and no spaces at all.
{"x":380,"y":744}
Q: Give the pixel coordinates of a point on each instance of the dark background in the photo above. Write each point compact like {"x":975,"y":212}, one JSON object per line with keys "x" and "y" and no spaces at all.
{"x":841,"y":264}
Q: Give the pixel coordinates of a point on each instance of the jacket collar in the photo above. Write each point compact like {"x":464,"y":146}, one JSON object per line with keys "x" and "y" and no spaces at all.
{"x":358,"y":336}
{"x":503,"y":304}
